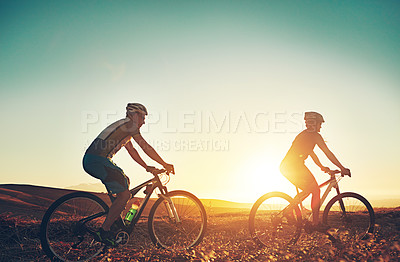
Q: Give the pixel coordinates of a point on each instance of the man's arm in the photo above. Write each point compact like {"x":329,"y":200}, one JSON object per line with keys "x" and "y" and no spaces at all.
{"x":318,"y":163}
{"x":149,"y":150}
{"x":134,"y":154}
{"x":321,"y":144}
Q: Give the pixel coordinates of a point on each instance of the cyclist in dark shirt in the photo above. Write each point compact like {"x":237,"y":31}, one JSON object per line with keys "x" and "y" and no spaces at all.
{"x":293,"y":167}
{"x":97,"y":161}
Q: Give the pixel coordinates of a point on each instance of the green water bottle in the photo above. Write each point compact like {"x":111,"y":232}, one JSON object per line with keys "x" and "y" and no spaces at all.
{"x":132,"y":212}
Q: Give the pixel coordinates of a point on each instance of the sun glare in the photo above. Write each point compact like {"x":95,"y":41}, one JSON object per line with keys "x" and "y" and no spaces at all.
{"x":260,"y":175}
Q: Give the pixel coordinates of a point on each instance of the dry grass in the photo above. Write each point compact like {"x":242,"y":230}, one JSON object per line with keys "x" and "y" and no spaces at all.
{"x":227,"y":239}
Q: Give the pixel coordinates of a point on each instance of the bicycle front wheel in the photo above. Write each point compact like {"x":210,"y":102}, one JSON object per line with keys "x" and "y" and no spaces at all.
{"x":351,"y":215}
{"x":66,"y":225}
{"x":275,"y":221}
{"x":177,"y":222}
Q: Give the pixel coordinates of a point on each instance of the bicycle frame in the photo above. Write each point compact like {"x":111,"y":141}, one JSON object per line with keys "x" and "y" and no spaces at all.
{"x":332,"y":182}
{"x":278,"y":216}
{"x":150,"y":185}
{"x":71,"y":227}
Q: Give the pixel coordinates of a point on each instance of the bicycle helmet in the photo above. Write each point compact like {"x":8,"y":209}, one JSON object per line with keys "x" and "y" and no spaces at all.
{"x":136,"y":108}
{"x":314,"y":116}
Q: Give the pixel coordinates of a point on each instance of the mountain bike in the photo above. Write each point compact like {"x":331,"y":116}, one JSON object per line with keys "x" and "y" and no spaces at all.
{"x":277,"y":220}
{"x":177,"y":221}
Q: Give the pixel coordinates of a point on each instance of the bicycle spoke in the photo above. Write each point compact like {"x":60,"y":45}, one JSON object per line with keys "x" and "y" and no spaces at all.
{"x":64,"y":236}
{"x":271,"y":223}
{"x":164,"y":228}
{"x":351,"y":216}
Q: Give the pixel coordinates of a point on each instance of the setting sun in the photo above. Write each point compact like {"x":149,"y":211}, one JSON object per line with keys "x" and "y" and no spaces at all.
{"x":259,"y":175}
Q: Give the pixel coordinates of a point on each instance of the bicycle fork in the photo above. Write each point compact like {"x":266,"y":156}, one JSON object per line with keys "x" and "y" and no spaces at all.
{"x":170,"y":207}
{"x":341,"y":203}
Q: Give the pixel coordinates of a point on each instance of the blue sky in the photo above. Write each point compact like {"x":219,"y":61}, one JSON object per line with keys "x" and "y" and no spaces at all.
{"x":68,"y":68}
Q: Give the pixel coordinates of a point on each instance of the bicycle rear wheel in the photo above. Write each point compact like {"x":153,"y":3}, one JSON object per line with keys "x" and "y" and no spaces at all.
{"x":272,"y":223}
{"x":186,"y":231}
{"x":351,"y":215}
{"x":64,"y":231}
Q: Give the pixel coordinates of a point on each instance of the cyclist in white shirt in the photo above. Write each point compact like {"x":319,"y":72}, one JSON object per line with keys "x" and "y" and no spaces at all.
{"x":97,"y":161}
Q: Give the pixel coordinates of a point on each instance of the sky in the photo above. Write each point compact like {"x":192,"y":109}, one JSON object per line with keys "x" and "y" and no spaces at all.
{"x":226,"y":84}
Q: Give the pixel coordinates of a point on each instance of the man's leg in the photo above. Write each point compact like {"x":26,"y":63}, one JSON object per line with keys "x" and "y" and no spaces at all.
{"x":116,"y":208}
{"x":315,"y":202}
{"x":306,"y":182}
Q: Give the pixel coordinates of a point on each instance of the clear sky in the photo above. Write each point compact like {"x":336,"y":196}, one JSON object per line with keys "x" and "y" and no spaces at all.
{"x":226,"y":84}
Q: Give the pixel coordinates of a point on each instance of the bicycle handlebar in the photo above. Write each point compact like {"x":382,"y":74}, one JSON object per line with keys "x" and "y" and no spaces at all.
{"x":334,"y":172}
{"x":159,"y":171}
{"x":156,"y":171}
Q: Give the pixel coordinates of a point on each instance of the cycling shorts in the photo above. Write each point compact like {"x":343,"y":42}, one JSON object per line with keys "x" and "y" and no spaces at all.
{"x":107,"y":171}
{"x":298,"y":174}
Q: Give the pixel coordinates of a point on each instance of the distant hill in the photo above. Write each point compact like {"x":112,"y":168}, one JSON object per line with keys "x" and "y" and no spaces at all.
{"x":28,"y":200}
{"x":94,"y":187}
{"x":385,"y":203}
{"x":216,"y":206}
{"x":33,"y":201}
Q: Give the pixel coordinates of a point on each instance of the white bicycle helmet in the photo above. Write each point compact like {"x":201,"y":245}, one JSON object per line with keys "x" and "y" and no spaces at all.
{"x":136,"y":108}
{"x":314,"y":116}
